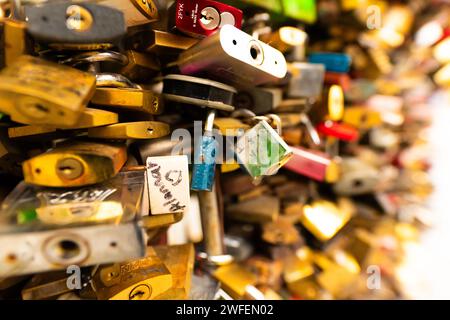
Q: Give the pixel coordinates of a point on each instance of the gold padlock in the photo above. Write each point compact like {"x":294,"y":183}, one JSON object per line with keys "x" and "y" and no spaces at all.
{"x":129,"y":99}
{"x":161,"y":42}
{"x":142,"y":279}
{"x":235,"y":279}
{"x":35,"y":91}
{"x":131,"y":130}
{"x":141,"y":66}
{"x":324,"y":219}
{"x":75,"y":164}
{"x":362,"y":117}
{"x":90,"y":118}
{"x":256,"y":210}
{"x":180,"y":262}
{"x":287,"y":38}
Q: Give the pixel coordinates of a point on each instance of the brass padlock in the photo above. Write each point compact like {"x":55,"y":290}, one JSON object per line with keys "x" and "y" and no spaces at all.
{"x":235,"y":280}
{"x":129,"y":99}
{"x":131,"y":130}
{"x":142,"y":279}
{"x":180,"y":262}
{"x":280,"y":232}
{"x":161,"y":42}
{"x":75,"y":164}
{"x":324,"y":219}
{"x":140,"y":66}
{"x":256,"y":210}
{"x":90,"y":118}
{"x":34,"y":91}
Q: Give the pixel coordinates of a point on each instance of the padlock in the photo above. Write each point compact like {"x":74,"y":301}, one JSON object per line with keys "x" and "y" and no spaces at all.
{"x":14,"y":39}
{"x":237,"y":183}
{"x":131,"y":130}
{"x":338,"y":131}
{"x":306,"y":81}
{"x":202,"y":18}
{"x":230,"y":127}
{"x":338,"y":277}
{"x":129,"y":99}
{"x":286,"y":38}
{"x":75,"y":164}
{"x":261,"y":151}
{"x":333,"y":129}
{"x":179,"y":260}
{"x":361,"y":117}
{"x":34,"y":91}
{"x":199,"y":92}
{"x":280,"y":232}
{"x":204,"y":164}
{"x":442,"y":76}
{"x":140,"y":66}
{"x":44,"y":286}
{"x":90,"y":118}
{"x":161,"y":220}
{"x":240,"y":59}
{"x":256,"y":210}
{"x":235,"y":280}
{"x":258,"y":100}
{"x":324,"y":219}
{"x":267,"y":271}
{"x":298,"y":273}
{"x":334,"y":62}
{"x":75,"y":25}
{"x":84,"y":234}
{"x":161,"y":43}
{"x":314,"y":164}
{"x":357,"y":177}
{"x":254,"y":193}
{"x":135,"y":12}
{"x":142,"y":279}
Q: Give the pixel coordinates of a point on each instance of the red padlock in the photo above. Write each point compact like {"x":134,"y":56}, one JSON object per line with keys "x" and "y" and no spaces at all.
{"x":313,"y":164}
{"x":201,"y":18}
{"x":338,"y":130}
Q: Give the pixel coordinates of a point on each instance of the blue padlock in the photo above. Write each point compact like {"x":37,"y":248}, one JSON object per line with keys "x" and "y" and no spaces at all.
{"x":334,"y":62}
{"x":205,"y":159}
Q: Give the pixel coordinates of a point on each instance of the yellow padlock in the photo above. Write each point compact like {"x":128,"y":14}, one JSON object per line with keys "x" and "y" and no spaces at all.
{"x":35,"y":91}
{"x":75,"y":164}
{"x":131,"y":130}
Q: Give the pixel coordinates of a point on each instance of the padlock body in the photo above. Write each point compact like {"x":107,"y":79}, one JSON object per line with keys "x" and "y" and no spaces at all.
{"x":201,"y":18}
{"x":204,"y":164}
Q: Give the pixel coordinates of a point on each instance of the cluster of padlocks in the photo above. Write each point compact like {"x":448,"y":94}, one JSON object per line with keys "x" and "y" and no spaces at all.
{"x":196,"y":149}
